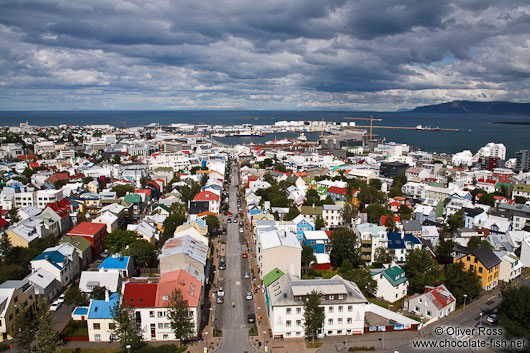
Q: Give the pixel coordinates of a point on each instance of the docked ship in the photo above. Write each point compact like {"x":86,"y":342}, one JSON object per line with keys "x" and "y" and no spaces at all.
{"x":244,"y":133}
{"x":216,"y":134}
{"x":427,"y":128}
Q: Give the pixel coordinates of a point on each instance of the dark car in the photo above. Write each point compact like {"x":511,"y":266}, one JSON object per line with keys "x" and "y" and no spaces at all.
{"x":251,"y":318}
{"x":492,"y":318}
{"x":222,"y":266}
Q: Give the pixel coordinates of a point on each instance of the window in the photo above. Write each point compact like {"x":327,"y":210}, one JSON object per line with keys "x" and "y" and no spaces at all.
{"x":298,"y":322}
{"x":167,"y":325}
{"x":288,"y":334}
{"x":97,"y":337}
{"x":160,"y":325}
{"x":96,"y":326}
{"x":350,"y":308}
{"x":429,"y":313}
{"x":165,"y":336}
{"x":331,"y":297}
{"x":330,"y":309}
{"x":160,"y":314}
{"x":330,"y":321}
{"x":480,"y":270}
{"x":288,"y":323}
{"x":288,"y":311}
{"x":298,"y":310}
{"x":340,"y":321}
{"x":341,"y":309}
{"x":151,"y":314}
{"x":112,"y":326}
{"x":420,"y":300}
{"x":340,"y":296}
{"x":298,"y":333}
{"x":349,"y":320}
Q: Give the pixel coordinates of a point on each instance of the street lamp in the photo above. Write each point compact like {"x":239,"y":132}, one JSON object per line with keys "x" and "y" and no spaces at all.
{"x":480,"y":324}
{"x":465,"y":297}
{"x":128,"y":348}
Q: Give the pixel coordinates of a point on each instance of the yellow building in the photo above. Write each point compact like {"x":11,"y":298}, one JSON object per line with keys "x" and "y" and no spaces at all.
{"x":14,"y":296}
{"x":482,"y":262}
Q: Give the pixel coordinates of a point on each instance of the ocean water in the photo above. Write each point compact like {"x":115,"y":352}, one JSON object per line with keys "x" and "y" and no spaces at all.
{"x":475,"y":130}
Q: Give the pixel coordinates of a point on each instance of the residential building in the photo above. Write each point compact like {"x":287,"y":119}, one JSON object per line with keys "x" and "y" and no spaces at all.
{"x":371,"y":237}
{"x":100,"y":318}
{"x":434,"y":304}
{"x":393,"y":169}
{"x":278,"y":249}
{"x":318,"y":240}
{"x":110,"y":279}
{"x":26,"y":231}
{"x":401,"y":244}
{"x":392,"y":284}
{"x":332,"y":215}
{"x":44,"y":284}
{"x":95,"y":233}
{"x":14,"y":295}
{"x":302,"y":224}
{"x":510,"y":267}
{"x":179,"y":253}
{"x":83,"y":248}
{"x":481,"y":262}
{"x":522,"y":190}
{"x":62,"y":261}
{"x":123,"y":264}
{"x":212,"y":199}
{"x":523,"y":161}
{"x":343,"y":303}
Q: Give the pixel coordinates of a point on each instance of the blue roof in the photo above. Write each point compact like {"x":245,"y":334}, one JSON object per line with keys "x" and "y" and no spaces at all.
{"x":255,"y":211}
{"x":53,"y":257}
{"x":395,"y":241}
{"x":411,"y":238}
{"x":115,"y":262}
{"x":101,"y":309}
{"x":81,"y":311}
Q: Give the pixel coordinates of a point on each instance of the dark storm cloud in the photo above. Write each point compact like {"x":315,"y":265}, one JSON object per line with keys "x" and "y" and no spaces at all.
{"x":294,"y":54}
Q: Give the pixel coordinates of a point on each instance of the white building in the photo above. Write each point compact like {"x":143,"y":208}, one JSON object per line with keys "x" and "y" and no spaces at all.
{"x":511,"y":266}
{"x":278,"y":249}
{"x":342,"y":301}
{"x":392,"y":284}
{"x":332,"y":215}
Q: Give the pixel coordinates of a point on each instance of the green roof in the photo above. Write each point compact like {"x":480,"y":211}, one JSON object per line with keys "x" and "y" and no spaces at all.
{"x":394,"y":275}
{"x":522,"y":188}
{"x":162,"y":206}
{"x":272,"y":276}
{"x":134,"y":198}
{"x":317,"y":210}
{"x":433,"y":183}
{"x":77,"y":242}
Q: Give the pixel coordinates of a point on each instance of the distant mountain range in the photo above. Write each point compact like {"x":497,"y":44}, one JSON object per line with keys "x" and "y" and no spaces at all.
{"x":470,"y":107}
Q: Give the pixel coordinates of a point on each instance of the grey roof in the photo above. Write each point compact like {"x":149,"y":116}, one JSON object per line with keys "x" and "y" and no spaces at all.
{"x":332,"y":207}
{"x":487,"y":257}
{"x":411,"y":225}
{"x":14,"y":283}
{"x":283,"y":291}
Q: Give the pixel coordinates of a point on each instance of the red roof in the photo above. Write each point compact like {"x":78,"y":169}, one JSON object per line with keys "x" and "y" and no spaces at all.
{"x":33,"y":164}
{"x":140,"y":295}
{"x":286,"y":173}
{"x":3,"y":222}
{"x":143,"y":191}
{"x":206,"y":213}
{"x":337,"y":190}
{"x":27,"y":156}
{"x":150,"y":182}
{"x":189,"y":286}
{"x":206,"y":196}
{"x":394,"y":203}
{"x":487,"y":181}
{"x":56,"y":177}
{"x":87,"y":228}
{"x":440,"y":296}
{"x":62,"y":208}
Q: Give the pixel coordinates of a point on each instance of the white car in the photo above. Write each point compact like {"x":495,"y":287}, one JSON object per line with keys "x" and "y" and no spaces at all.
{"x":241,"y":230}
{"x":55,"y":305}
{"x":248,"y":296}
{"x":220,"y":292}
{"x":61,"y":298}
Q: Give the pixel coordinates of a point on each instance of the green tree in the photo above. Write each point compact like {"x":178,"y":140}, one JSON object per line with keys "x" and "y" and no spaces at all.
{"x":370,"y":195}
{"x":74,"y":296}
{"x":376,"y":183}
{"x":313,"y":315}
{"x":515,"y":311}
{"x":456,"y":220}
{"x":144,"y":180}
{"x":444,"y":250}
{"x":119,"y":239}
{"x":45,"y":335}
{"x":60,"y":183}
{"x":477,"y":243}
{"x":520,"y":200}
{"x":349,"y":212}
{"x":405,"y":212}
{"x":487,"y":199}
{"x":308,"y":256}
{"x":126,"y":329}
{"x":362,"y":278}
{"x":395,"y":191}
{"x":375,"y":211}
{"x":344,"y":246}
{"x":143,"y":251}
{"x":399,"y":181}
{"x":312,"y":198}
{"x":87,"y":180}
{"x":5,"y":247}
{"x":319,"y":223}
{"x":179,"y":316}
{"x":170,"y":224}
{"x":13,"y":216}
{"x":24,"y":327}
{"x":213,"y":224}
{"x":280,"y":167}
{"x":421,"y":270}
{"x":122,"y":190}
{"x":98,"y":293}
{"x":292,"y":214}
{"x":460,"y":282}
{"x":382,"y":256}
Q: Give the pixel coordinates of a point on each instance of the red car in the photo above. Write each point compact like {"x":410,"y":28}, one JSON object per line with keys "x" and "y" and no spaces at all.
{"x":230,"y":214}
{"x":244,"y":255}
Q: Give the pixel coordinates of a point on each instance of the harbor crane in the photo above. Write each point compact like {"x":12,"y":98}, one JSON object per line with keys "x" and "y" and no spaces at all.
{"x":371,"y":118}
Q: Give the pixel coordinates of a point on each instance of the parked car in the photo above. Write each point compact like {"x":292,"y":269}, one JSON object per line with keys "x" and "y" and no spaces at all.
{"x":247,"y":274}
{"x":241,"y":230}
{"x":244,"y":255}
{"x":228,"y":220}
{"x":220,"y":300}
{"x":492,"y":318}
{"x":220,"y":292}
{"x":230,"y":214}
{"x":222,"y":266}
{"x":251,"y":318}
{"x":248,"y":296}
{"x":240,"y":223}
{"x":55,"y":305}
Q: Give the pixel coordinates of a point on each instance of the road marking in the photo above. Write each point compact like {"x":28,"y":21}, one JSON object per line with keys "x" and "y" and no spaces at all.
{"x":493,"y":296}
{"x":238,"y":283}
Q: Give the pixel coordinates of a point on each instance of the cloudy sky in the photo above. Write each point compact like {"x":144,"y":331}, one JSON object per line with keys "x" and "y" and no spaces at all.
{"x":281,"y":54}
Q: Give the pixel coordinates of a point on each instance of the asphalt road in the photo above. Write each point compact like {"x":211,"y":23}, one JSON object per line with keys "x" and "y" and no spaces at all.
{"x":233,"y":320}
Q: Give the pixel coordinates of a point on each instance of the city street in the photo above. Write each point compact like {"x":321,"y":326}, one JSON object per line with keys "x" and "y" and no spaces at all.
{"x":233,"y":320}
